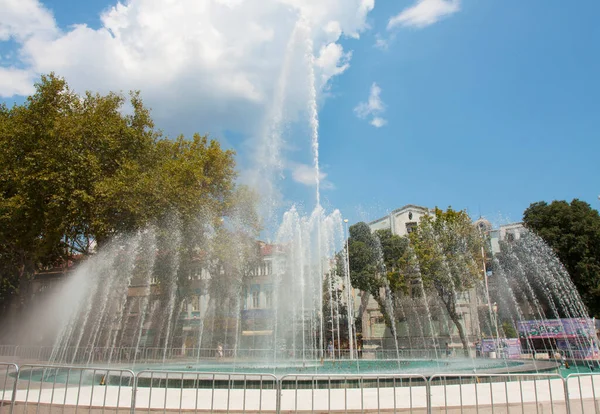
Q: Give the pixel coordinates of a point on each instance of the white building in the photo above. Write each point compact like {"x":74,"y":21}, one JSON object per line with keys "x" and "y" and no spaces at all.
{"x":401,"y":221}
{"x":507,"y":232}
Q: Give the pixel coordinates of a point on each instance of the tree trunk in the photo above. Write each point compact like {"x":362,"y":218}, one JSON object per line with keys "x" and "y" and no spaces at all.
{"x":364,"y":302}
{"x":461,"y":331}
{"x":388,"y":319}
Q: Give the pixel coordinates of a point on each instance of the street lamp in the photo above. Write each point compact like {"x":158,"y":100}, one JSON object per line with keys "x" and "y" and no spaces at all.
{"x":487,"y":294}
{"x":348,"y":287}
{"x":495,"y":309}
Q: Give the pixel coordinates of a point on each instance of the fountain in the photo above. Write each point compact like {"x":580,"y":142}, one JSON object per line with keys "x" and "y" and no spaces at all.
{"x":233,"y":304}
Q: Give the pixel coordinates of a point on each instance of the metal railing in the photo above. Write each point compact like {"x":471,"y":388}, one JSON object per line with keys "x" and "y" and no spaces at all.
{"x":211,"y":391}
{"x":583,"y":392}
{"x":45,"y":389}
{"x":524,"y":393}
{"x":344,"y":393}
{"x":76,"y":388}
{"x":8,"y":382}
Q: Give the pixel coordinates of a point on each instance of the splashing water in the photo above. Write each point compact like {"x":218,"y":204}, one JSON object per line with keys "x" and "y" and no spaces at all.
{"x":139,"y":299}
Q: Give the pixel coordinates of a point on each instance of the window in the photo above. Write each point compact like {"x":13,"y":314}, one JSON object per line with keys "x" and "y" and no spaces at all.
{"x":195,"y":303}
{"x":255,"y":299}
{"x":269,"y":299}
{"x":410,"y":227}
{"x":377,"y":320}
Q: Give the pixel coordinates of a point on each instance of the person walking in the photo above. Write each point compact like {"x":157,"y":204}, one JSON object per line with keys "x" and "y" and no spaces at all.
{"x":330,"y":350}
{"x":220,"y":351}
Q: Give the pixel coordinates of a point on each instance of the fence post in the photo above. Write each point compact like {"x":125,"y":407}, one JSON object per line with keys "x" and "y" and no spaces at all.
{"x":278,"y":392}
{"x":13,"y":398}
{"x":134,"y":392}
{"x":567,"y":399}
{"x":428,"y":395}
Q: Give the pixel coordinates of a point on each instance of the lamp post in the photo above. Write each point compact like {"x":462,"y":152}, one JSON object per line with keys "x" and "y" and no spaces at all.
{"x":487,"y":292}
{"x":348,"y":288}
{"x":491,"y":309}
{"x":495,"y":309}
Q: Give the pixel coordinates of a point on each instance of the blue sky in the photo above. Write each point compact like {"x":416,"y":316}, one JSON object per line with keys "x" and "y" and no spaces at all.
{"x":483,"y":105}
{"x":491,"y":109}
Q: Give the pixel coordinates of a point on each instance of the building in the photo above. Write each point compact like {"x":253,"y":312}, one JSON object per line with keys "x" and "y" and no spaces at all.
{"x":506,"y":232}
{"x":401,"y":221}
{"x":257,"y":310}
{"x":245,"y":316}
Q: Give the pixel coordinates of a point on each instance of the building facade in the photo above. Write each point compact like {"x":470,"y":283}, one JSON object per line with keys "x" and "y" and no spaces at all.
{"x":401,"y":221}
{"x":507,"y":232}
{"x":240,"y":318}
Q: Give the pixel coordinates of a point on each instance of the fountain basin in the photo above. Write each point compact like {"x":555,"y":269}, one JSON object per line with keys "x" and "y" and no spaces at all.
{"x":230,"y":374}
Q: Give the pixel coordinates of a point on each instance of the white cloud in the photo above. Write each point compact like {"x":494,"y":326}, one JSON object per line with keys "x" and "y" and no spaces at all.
{"x":21,"y":19}
{"x":332,"y":61}
{"x":305,"y":174}
{"x":200,"y":64}
{"x":378,"y":122}
{"x":381,"y":43}
{"x":374,"y":107}
{"x":424,"y":13}
{"x":15,"y":82}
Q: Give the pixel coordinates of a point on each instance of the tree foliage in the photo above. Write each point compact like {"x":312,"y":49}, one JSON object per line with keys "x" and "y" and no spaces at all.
{"x":447,"y":247}
{"x":399,"y":268}
{"x":378,"y":261}
{"x":365,"y":265}
{"x":509,"y":329}
{"x":366,"y":271}
{"x":335,"y":311}
{"x":572,"y":230}
{"x":77,"y":169}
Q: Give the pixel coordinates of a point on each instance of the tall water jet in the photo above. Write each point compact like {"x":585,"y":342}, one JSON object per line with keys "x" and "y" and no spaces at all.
{"x":268,"y":167}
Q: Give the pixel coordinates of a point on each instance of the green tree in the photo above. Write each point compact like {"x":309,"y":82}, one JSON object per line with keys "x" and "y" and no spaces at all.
{"x":572,"y":230}
{"x":334,"y":311}
{"x":509,"y":329}
{"x":396,"y":253}
{"x":75,"y":170}
{"x":448,"y":249}
{"x":365,"y":264}
{"x":378,"y":262}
